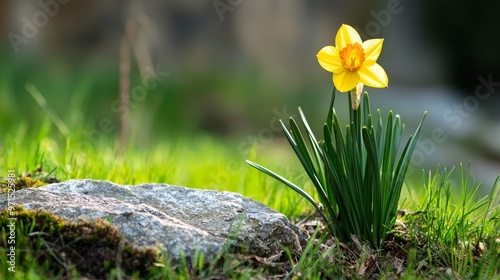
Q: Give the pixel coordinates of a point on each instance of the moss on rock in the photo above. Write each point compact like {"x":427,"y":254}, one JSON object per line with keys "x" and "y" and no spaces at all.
{"x":22,"y":183}
{"x":92,"y":248}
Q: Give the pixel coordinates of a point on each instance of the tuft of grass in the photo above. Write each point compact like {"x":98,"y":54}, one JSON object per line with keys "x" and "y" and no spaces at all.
{"x":455,"y":233}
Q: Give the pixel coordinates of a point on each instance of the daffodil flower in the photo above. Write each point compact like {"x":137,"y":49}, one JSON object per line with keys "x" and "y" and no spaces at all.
{"x":348,"y":211}
{"x":353,"y":61}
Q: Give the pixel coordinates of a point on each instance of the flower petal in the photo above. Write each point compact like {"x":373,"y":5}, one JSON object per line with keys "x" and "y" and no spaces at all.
{"x":346,"y":35}
{"x":346,"y":80}
{"x":328,"y":58}
{"x":369,"y":62}
{"x":373,"y":76}
{"x":372,"y":48}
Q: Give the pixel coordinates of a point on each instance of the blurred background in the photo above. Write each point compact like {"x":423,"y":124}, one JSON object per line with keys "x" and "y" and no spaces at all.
{"x":231,"y":68}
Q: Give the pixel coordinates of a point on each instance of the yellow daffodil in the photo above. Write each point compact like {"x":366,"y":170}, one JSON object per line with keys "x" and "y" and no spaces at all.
{"x":352,"y":61}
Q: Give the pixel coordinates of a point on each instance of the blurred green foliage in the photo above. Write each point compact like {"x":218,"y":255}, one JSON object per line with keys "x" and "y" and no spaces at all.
{"x":224,"y":103}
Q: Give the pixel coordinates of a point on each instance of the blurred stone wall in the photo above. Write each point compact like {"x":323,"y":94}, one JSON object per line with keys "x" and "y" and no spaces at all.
{"x":281,"y":37}
{"x":427,"y":43}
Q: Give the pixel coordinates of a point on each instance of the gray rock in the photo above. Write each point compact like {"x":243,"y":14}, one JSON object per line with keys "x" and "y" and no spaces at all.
{"x":174,"y":218}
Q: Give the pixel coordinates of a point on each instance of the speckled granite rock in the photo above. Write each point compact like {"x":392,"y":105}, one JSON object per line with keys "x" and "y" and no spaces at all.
{"x":174,"y":218}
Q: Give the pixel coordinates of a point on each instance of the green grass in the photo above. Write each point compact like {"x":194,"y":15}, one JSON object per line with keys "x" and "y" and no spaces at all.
{"x":448,"y":232}
{"x":451,"y":229}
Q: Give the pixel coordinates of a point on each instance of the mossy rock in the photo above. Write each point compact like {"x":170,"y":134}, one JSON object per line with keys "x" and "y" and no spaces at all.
{"x":23,"y":183}
{"x":93,"y":249}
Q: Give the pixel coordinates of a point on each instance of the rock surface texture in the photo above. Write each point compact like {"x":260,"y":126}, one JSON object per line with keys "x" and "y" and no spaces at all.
{"x":174,"y":218}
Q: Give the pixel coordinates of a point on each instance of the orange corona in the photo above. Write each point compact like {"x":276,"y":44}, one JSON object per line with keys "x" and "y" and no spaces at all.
{"x":352,"y":56}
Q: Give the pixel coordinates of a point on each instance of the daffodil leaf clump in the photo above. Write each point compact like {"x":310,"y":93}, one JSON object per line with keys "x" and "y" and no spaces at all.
{"x":358,"y":172}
